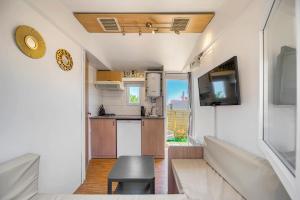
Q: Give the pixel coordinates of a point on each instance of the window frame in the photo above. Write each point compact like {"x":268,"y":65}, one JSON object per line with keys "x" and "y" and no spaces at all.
{"x":128,"y":94}
{"x":284,"y":174}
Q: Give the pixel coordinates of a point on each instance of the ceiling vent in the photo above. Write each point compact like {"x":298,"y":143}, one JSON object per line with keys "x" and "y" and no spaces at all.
{"x":109,"y":24}
{"x":180,"y":24}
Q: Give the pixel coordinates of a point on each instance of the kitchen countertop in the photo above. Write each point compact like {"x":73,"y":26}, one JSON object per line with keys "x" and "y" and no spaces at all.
{"x":126,"y":117}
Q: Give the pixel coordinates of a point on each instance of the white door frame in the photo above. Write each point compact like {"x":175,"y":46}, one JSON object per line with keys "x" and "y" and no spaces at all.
{"x":83,"y":111}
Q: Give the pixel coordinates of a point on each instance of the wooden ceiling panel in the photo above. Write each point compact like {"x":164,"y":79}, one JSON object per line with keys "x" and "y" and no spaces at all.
{"x":135,"y":22}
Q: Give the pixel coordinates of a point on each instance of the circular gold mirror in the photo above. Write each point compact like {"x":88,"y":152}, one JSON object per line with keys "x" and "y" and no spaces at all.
{"x":30,"y":42}
{"x":64,"y":59}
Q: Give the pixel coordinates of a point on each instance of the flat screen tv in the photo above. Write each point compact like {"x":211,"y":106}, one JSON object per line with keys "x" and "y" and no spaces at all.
{"x":220,"y":86}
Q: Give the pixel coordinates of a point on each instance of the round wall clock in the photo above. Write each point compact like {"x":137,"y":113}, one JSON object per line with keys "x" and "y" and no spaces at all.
{"x":64,"y":59}
{"x":30,"y":42}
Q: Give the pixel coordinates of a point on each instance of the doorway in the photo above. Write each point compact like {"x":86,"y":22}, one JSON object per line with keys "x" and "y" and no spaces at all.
{"x":178,"y":111}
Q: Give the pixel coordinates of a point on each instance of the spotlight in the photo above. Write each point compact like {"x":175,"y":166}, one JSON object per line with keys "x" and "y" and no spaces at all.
{"x":177,"y":32}
{"x":148,"y":25}
{"x":154,"y":31}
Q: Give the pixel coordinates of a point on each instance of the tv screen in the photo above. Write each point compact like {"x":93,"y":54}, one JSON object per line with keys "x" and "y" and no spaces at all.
{"x":220,"y":86}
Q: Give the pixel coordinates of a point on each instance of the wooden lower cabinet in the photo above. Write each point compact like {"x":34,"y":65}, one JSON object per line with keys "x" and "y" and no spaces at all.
{"x":103,"y":138}
{"x":153,"y":137}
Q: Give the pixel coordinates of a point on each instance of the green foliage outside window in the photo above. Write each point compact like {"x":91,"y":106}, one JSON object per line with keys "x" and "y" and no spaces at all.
{"x":134,"y":99}
{"x":134,"y":95}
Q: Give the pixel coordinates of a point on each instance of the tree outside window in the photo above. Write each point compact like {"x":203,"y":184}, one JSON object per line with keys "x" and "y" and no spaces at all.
{"x":133,"y":95}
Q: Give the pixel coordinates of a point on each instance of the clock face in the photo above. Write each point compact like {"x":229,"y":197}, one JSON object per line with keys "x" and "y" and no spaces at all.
{"x":64,"y":59}
{"x":30,"y":42}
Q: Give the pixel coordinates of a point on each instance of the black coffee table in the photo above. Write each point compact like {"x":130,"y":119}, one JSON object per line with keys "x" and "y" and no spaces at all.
{"x":135,"y":175}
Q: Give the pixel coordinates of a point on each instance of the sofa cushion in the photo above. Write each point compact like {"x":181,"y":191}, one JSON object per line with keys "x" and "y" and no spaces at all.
{"x":107,"y":197}
{"x":252,"y":176}
{"x":199,"y":181}
{"x":19,"y":177}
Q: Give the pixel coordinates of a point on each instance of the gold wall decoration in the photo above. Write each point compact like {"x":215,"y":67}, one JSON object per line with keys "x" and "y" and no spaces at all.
{"x":30,"y":42}
{"x":64,"y":59}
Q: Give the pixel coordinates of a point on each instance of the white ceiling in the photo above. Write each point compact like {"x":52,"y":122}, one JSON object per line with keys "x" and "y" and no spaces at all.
{"x":134,"y":52}
{"x":140,"y":52}
{"x":142,"y":5}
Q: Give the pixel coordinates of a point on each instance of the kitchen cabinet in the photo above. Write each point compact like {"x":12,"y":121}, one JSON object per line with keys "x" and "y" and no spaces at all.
{"x":153,"y":137}
{"x":103,"y":138}
{"x":109,"y":76}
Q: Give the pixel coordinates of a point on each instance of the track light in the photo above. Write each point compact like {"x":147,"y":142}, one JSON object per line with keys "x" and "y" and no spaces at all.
{"x":148,"y":25}
{"x":154,"y":31}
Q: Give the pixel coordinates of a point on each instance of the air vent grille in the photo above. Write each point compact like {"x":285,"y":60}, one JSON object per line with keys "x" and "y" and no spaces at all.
{"x":109,"y":24}
{"x":180,"y":24}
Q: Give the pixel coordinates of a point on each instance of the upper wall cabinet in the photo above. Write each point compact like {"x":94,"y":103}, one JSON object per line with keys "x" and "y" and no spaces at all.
{"x":279,"y":87}
{"x":109,"y":76}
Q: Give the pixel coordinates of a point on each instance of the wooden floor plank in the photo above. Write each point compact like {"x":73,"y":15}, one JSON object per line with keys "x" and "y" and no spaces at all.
{"x":98,"y":170}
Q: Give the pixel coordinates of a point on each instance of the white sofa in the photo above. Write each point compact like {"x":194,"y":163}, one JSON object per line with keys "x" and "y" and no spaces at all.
{"x":227,"y":173}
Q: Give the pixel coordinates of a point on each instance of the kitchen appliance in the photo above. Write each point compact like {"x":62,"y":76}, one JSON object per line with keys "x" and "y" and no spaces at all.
{"x":143,"y":111}
{"x":153,"y":84}
{"x":110,"y":85}
{"x":101,"y":111}
{"x":129,"y":138}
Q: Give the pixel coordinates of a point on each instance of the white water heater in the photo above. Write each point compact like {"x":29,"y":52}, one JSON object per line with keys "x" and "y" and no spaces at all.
{"x":153,"y":84}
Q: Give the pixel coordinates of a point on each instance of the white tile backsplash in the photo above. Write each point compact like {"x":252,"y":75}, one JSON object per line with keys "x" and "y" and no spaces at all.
{"x":116,"y":102}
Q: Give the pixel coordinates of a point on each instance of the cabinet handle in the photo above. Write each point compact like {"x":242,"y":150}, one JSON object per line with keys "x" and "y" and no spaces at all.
{"x":113,"y":123}
{"x":142,"y":123}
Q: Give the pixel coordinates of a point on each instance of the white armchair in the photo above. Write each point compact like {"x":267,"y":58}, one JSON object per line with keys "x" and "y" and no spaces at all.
{"x":19,"y":177}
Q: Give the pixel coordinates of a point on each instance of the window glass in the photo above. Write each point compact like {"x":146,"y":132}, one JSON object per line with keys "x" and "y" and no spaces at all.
{"x":133,"y":95}
{"x":280,"y":82}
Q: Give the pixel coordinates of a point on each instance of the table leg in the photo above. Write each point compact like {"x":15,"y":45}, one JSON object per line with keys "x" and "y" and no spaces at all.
{"x":152,"y":186}
{"x":109,"y":186}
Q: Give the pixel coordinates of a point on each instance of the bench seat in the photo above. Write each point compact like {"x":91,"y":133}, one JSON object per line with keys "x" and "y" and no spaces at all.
{"x":197,"y":180}
{"x":107,"y":197}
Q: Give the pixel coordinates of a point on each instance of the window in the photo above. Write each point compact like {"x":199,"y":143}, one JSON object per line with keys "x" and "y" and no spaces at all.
{"x":280,"y":83}
{"x":133,"y":95}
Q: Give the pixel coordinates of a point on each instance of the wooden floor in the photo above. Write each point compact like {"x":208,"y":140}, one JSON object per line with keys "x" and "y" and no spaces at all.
{"x":98,"y":170}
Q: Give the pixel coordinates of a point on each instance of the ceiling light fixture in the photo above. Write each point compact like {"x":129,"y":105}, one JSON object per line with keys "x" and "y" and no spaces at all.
{"x":148,"y":25}
{"x":177,"y":26}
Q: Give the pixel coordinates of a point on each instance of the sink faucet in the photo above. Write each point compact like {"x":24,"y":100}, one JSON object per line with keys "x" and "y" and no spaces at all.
{"x":152,"y":107}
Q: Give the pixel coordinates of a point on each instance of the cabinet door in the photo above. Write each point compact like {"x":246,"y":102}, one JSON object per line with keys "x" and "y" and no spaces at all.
{"x":153,"y":140}
{"x":109,"y":76}
{"x":103,"y":138}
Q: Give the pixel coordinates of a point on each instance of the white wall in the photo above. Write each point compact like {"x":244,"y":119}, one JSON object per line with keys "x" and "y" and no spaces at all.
{"x":40,"y":104}
{"x":235,"y":124}
{"x":65,"y":21}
